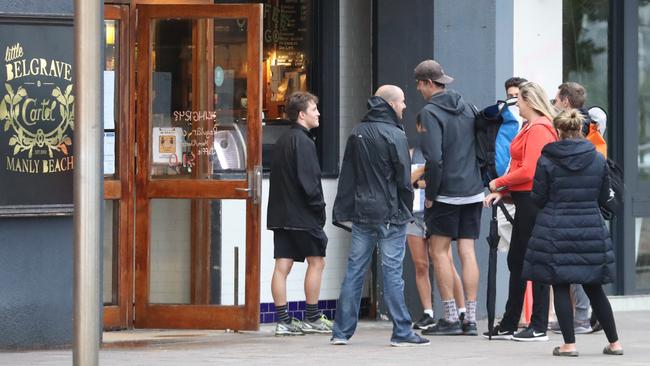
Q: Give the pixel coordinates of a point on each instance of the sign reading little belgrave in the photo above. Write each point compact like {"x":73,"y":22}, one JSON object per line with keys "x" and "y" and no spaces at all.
{"x":36,"y":116}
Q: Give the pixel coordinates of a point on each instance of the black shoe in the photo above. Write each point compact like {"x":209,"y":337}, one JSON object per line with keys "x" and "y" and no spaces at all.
{"x":530,"y":335}
{"x":413,"y":341}
{"x":425,"y":322}
{"x":499,"y":333}
{"x":443,"y":327}
{"x":469,"y":328}
{"x":595,"y":324}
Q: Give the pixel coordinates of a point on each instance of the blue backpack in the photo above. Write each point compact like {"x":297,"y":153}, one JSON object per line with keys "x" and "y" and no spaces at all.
{"x":495,"y":128}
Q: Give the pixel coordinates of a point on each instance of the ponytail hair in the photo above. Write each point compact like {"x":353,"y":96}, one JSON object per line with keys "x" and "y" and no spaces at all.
{"x":569,"y":123}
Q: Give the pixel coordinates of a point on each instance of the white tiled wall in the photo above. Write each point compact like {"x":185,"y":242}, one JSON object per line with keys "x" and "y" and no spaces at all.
{"x":337,"y":251}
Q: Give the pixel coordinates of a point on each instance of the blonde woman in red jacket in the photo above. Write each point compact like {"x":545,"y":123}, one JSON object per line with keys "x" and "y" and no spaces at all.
{"x":525,"y":149}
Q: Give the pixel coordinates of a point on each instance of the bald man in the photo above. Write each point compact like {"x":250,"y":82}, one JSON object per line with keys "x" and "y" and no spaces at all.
{"x":374,"y":201}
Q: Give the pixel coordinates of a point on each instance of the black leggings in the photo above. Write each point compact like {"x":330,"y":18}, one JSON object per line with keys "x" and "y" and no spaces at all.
{"x":599,"y":302}
{"x":522,"y":229}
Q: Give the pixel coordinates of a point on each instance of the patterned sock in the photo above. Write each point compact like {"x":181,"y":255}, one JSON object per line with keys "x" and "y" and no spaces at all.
{"x":283,"y":314}
{"x":451,"y":314}
{"x":429,"y":312}
{"x":312,"y":312}
{"x":471,"y":311}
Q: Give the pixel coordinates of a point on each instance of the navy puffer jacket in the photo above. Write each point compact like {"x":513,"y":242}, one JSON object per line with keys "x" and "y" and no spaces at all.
{"x":570,"y":242}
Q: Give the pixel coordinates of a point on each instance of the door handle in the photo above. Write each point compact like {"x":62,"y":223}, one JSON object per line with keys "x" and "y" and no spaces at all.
{"x":254,"y":188}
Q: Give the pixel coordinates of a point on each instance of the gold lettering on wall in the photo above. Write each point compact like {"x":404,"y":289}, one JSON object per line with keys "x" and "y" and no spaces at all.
{"x":37,"y":112}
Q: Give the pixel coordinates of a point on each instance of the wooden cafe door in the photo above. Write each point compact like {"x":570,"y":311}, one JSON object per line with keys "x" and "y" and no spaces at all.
{"x":198,"y":166}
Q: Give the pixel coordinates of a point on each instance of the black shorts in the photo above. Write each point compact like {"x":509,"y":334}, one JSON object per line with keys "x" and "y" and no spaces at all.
{"x":454,"y":221}
{"x":298,"y":244}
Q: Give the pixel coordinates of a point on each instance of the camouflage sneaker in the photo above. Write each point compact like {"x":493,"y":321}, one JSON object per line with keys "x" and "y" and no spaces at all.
{"x":289,"y":329}
{"x":321,"y":325}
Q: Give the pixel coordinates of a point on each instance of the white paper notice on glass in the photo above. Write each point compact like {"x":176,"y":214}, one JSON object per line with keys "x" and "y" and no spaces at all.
{"x":109,"y":100}
{"x":167,"y":145}
{"x":418,"y":194}
{"x":109,"y":153}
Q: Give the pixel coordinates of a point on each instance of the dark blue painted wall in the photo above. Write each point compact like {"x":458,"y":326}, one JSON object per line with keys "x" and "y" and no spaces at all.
{"x":36,"y":266}
{"x":37,"y":6}
{"x":36,"y":255}
{"x":461,"y":35}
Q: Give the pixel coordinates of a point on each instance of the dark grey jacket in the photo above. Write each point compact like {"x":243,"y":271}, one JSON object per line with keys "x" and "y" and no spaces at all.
{"x":570,"y":242}
{"x":448,"y":145}
{"x":295,"y":190}
{"x":375,"y":182}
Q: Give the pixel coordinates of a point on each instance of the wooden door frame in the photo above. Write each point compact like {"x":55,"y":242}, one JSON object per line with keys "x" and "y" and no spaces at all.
{"x":120,"y":188}
{"x":243,"y":317}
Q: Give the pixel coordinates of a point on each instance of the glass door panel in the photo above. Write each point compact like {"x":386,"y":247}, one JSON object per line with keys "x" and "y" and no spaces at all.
{"x":183,"y":270}
{"x":197,"y":197}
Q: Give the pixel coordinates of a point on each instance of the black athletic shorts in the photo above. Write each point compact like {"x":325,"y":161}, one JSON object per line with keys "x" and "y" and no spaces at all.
{"x":298,"y":244}
{"x":454,"y":221}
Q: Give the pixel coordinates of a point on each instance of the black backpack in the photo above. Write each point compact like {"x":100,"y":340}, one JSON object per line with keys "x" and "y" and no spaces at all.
{"x":487,"y":123}
{"x":616,"y":192}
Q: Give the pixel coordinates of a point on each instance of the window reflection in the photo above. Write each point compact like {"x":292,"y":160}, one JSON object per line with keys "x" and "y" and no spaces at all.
{"x":586,"y":46}
{"x":644,"y":92}
{"x":111,"y":28}
{"x":642,"y":252}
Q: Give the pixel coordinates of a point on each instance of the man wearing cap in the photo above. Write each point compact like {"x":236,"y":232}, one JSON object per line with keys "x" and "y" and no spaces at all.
{"x":454,"y":192}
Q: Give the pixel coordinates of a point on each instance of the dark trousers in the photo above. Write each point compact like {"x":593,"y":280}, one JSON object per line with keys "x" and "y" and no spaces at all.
{"x":599,"y":302}
{"x":525,"y":215}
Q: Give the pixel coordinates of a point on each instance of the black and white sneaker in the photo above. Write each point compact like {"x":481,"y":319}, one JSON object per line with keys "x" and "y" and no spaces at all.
{"x":499,"y":333}
{"x":425,"y":322}
{"x":530,"y":335}
{"x":444,"y":327}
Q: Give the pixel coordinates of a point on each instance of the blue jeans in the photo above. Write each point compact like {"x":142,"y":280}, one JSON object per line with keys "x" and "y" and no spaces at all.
{"x":392,"y":241}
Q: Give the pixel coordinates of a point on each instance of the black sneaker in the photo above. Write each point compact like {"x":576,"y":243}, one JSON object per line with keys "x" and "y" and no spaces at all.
{"x":499,"y":333}
{"x":469,"y":328}
{"x":413,"y":341}
{"x":443,"y":327}
{"x":425,"y":322}
{"x":530,"y":335}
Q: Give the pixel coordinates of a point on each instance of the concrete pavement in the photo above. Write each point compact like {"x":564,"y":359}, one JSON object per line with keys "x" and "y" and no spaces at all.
{"x":369,"y":346}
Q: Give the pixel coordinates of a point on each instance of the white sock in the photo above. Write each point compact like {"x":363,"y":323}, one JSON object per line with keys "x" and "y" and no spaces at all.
{"x":462,"y":310}
{"x":429,"y":312}
{"x":451,"y":313}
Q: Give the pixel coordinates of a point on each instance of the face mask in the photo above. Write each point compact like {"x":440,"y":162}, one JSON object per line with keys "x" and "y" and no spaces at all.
{"x":515,"y":112}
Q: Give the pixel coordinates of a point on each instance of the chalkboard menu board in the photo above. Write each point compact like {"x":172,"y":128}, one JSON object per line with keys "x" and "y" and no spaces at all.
{"x":287,"y":30}
{"x":36,"y":116}
{"x":288,"y":51}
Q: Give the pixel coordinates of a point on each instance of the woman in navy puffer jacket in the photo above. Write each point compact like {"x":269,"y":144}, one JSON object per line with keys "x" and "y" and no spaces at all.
{"x":570,"y":243}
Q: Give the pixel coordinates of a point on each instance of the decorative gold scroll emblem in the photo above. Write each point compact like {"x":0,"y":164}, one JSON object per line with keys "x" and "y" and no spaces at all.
{"x":20,"y":113}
